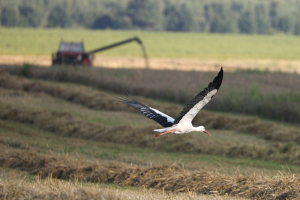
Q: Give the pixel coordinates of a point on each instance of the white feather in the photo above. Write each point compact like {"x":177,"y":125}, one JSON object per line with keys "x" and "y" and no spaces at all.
{"x":170,"y":119}
{"x":189,"y":116}
{"x":161,"y":130}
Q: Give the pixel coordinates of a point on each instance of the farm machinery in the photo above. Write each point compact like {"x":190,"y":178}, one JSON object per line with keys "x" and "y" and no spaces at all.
{"x":73,"y":53}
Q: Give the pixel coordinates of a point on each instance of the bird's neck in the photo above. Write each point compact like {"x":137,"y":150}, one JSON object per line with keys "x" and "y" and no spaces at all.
{"x":198,"y":129}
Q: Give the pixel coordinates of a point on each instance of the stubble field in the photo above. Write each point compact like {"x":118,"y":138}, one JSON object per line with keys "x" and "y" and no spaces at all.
{"x":63,"y":127}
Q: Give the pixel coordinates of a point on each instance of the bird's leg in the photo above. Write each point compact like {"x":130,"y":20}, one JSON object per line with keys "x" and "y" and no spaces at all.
{"x":165,"y":133}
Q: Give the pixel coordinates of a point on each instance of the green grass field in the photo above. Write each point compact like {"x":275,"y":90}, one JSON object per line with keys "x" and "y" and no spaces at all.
{"x":20,"y":41}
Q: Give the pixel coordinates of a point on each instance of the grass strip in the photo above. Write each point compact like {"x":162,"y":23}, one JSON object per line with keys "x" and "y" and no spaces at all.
{"x":65,"y":124}
{"x":272,"y":96}
{"x":98,"y":100}
{"x":167,"y":178}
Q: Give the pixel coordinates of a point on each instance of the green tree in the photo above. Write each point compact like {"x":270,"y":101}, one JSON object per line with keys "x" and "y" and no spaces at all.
{"x":297,"y":28}
{"x":261,"y":18}
{"x":172,"y":19}
{"x":220,"y":25}
{"x":57,"y":17}
{"x":178,"y":19}
{"x":187,"y":19}
{"x":8,"y":17}
{"x":144,"y":14}
{"x":284,"y":24}
{"x":117,"y":15}
{"x":246,"y":23}
{"x":274,"y":14}
{"x":104,"y":22}
{"x":219,"y":18}
{"x":29,"y":17}
{"x":237,"y":7}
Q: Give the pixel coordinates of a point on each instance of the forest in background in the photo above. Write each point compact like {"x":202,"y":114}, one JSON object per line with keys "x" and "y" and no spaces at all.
{"x":207,"y":16}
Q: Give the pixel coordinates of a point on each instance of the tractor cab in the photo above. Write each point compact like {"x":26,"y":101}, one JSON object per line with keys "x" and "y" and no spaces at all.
{"x":71,"y":53}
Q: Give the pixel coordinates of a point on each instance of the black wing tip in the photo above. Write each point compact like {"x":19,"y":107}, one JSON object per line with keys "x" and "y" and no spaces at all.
{"x":129,"y":99}
{"x":218,"y":79}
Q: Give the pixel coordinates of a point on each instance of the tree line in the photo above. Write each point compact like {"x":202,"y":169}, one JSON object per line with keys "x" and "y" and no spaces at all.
{"x":208,"y":16}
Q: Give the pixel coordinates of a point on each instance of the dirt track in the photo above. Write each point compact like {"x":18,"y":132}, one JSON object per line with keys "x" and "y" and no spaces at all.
{"x":290,"y":66}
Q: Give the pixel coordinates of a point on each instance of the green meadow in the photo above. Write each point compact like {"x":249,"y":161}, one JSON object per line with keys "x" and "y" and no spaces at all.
{"x":24,"y":41}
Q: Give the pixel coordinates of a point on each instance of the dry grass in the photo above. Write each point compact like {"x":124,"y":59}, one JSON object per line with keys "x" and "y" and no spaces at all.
{"x":250,"y":125}
{"x":55,"y":189}
{"x":269,"y":95}
{"x":50,"y":167}
{"x":103,"y":101}
{"x":25,"y":137}
{"x":65,"y":124}
{"x":24,"y":186}
{"x":167,"y":178}
{"x":81,"y":95}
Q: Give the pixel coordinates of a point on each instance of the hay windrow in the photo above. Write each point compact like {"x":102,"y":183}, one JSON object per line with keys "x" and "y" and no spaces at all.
{"x":65,"y":124}
{"x":102,"y":101}
{"x":50,"y":188}
{"x":167,"y":178}
{"x":54,"y":189}
{"x":273,"y":96}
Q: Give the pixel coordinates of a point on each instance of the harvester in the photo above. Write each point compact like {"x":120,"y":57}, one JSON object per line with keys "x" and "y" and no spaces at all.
{"x":73,"y":53}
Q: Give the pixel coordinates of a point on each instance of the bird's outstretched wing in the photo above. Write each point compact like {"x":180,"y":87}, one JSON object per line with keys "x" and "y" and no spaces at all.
{"x":156,"y":115}
{"x":193,"y":107}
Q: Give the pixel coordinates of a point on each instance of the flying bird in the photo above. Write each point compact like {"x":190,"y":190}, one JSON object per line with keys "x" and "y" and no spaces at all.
{"x":183,"y":123}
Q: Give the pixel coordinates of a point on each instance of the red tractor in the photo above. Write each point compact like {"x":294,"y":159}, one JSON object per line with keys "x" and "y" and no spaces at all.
{"x":73,"y":53}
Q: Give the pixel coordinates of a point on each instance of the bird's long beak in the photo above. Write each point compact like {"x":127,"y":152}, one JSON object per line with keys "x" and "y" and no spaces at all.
{"x":205,"y":131}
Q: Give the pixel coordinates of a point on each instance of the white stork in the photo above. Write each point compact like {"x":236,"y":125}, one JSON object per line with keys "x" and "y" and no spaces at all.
{"x":183,"y":123}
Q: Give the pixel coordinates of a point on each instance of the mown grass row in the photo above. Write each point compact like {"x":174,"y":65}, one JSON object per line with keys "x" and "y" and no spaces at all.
{"x":167,"y":178}
{"x":29,"y":138}
{"x":103,"y":101}
{"x":51,"y":188}
{"x":67,"y":125}
{"x":54,"y":189}
{"x":273,"y":96}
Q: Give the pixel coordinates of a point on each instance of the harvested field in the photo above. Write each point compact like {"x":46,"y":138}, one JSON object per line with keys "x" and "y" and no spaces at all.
{"x":55,"y":189}
{"x":79,"y":137}
{"x":273,"y":96}
{"x":102,"y":101}
{"x":33,"y":187}
{"x":281,"y":145}
{"x":64,"y":124}
{"x":167,"y":178}
{"x":26,"y":137}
